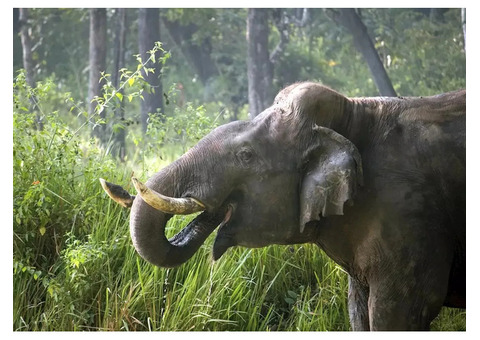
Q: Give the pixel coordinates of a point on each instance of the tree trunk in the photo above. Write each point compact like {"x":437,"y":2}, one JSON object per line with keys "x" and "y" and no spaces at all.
{"x":97,"y":61}
{"x":28,"y":64}
{"x":259,"y":67}
{"x":464,"y":28}
{"x":119,"y":62}
{"x":349,"y":18}
{"x":148,"y":34}
{"x":285,"y":20}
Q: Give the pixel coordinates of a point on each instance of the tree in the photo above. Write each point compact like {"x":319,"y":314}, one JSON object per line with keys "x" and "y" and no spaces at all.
{"x":259,"y":66}
{"x":349,"y":18}
{"x":464,"y":27}
{"x":28,"y":64}
{"x":27,"y":47}
{"x":119,"y":63}
{"x":148,"y":34}
{"x":261,"y":62}
{"x":97,"y":61}
{"x":284,"y":22}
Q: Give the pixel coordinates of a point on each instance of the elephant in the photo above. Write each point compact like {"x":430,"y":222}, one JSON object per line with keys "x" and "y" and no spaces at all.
{"x":378,"y":183}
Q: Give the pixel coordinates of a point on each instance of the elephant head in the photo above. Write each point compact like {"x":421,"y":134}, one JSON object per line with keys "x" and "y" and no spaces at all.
{"x":261,"y":181}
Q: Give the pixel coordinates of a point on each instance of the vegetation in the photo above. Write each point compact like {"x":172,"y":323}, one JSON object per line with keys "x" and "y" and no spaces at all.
{"x":74,"y":267}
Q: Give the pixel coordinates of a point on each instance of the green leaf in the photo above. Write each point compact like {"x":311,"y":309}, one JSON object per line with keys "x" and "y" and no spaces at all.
{"x":292,"y":294}
{"x":131,"y":81}
{"x":119,"y":96}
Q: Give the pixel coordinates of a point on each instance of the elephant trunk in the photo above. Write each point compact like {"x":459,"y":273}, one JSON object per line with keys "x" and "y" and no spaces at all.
{"x":147,"y":224}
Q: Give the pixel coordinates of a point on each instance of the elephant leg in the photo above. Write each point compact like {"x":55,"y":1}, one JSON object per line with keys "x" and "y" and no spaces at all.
{"x":358,"y":305}
{"x":407,"y":302}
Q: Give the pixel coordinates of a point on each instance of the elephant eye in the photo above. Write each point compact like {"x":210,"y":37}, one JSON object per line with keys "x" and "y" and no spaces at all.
{"x":245,"y":155}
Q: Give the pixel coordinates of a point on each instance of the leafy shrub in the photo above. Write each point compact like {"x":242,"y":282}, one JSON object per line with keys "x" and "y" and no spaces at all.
{"x":184,"y":128}
{"x":56,"y":196}
{"x":53,"y":179}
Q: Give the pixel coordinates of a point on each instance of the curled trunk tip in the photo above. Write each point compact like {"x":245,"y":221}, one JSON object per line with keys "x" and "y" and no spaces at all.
{"x":117,"y":193}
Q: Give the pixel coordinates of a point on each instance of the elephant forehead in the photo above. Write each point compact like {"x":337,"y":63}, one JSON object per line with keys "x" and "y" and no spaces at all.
{"x":221,"y":136}
{"x":268,"y":127}
{"x":270,"y":123}
{"x":231,"y":128}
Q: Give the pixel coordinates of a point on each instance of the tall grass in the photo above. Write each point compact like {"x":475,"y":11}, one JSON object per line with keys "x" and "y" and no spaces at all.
{"x":274,"y":288}
{"x":76,"y":269}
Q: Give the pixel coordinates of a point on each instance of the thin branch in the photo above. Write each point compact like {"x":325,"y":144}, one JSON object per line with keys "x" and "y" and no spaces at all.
{"x":99,"y":109}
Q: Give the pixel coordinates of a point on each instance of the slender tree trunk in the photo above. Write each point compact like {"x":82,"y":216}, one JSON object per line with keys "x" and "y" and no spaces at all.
{"x":282,"y":23}
{"x":119,"y":62}
{"x":148,"y":34}
{"x":349,"y":18}
{"x":28,"y":64}
{"x":97,"y":61}
{"x":284,"y":20}
{"x":259,"y":66}
{"x":464,"y":27}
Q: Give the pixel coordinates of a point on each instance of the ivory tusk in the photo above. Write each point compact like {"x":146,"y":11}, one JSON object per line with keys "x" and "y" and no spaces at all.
{"x":169,"y":205}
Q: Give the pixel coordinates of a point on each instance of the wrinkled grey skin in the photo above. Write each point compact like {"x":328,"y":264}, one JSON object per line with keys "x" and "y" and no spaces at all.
{"x":377,"y":183}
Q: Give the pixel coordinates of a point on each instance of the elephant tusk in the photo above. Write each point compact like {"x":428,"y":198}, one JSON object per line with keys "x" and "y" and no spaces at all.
{"x":168,"y":205}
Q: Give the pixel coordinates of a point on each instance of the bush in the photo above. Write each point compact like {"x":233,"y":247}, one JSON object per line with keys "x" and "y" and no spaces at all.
{"x":56,"y":199}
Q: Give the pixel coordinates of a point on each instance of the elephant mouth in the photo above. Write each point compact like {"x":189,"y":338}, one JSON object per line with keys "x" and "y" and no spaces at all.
{"x":206,"y":223}
{"x":224,"y":240}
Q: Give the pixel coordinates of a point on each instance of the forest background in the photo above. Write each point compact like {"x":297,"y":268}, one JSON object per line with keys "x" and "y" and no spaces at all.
{"x":95,"y":95}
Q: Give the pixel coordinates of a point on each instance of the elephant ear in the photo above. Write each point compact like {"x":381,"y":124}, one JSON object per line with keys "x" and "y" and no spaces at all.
{"x":332,"y":173}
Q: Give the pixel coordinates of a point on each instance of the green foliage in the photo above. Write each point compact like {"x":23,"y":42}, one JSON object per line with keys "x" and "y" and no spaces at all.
{"x":422,"y":55}
{"x":223,"y":31}
{"x":132,"y":84}
{"x":56,"y":197}
{"x":184,"y":128}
